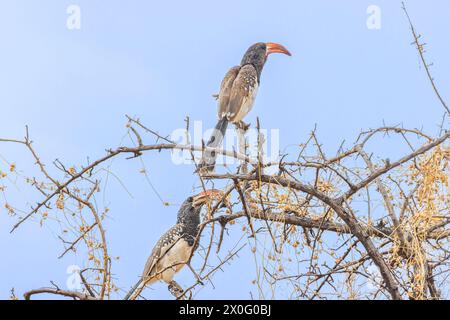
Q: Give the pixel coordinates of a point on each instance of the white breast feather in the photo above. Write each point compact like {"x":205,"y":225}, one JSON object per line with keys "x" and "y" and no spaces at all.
{"x":174,"y":260}
{"x":247,"y":104}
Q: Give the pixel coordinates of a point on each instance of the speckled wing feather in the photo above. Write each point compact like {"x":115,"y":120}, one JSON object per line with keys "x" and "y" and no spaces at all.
{"x":225,"y":91}
{"x":164,"y":244}
{"x":243,"y":93}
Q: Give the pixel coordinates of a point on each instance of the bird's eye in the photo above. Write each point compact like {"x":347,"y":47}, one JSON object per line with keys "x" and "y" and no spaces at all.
{"x":190,"y":199}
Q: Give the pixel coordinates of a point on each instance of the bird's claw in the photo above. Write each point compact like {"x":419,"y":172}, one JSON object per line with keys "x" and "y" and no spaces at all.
{"x":242,"y":125}
{"x":176,"y":290}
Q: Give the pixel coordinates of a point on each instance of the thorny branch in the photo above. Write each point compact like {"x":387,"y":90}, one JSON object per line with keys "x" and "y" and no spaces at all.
{"x":361,"y":226}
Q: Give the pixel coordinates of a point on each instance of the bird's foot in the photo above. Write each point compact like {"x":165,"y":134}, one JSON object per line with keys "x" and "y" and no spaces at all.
{"x":242,"y":125}
{"x":204,"y":169}
{"x":176,"y":290}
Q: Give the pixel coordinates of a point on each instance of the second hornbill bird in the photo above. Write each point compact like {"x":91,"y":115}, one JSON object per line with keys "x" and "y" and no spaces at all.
{"x":174,"y":249}
{"x":237,"y":94}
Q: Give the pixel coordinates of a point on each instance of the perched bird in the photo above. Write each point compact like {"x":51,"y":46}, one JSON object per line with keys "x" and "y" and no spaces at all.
{"x":174,"y":248}
{"x":237,"y":94}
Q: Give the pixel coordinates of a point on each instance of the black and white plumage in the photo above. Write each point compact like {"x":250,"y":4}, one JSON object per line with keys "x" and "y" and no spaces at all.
{"x":237,"y":94}
{"x":175,"y":247}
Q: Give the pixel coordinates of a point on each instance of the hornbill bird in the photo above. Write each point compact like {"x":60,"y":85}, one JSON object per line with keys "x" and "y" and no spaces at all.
{"x":175,"y":247}
{"x":237,"y":95}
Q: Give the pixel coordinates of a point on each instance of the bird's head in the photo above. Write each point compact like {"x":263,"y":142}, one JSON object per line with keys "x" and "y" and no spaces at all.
{"x":191,"y":207}
{"x":257,"y":54}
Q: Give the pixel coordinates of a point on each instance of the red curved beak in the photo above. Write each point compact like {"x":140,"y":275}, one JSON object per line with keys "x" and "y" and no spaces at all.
{"x":276,"y":48}
{"x":204,"y":196}
{"x":209,"y":193}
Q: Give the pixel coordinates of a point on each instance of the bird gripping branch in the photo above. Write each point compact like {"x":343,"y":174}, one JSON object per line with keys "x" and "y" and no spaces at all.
{"x":237,"y":94}
{"x":174,"y":249}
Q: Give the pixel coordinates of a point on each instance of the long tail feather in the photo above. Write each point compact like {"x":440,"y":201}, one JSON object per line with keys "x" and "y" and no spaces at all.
{"x":208,"y":161}
{"x":135,"y":291}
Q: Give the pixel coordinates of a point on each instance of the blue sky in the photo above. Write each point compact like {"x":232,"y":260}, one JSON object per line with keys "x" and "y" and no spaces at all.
{"x":162,"y":61}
